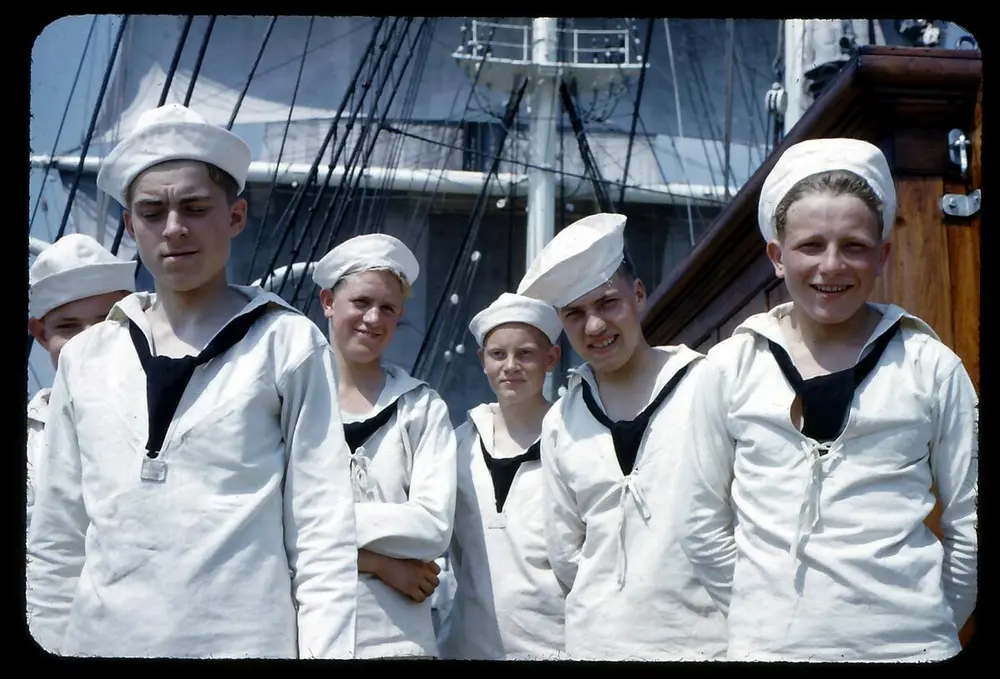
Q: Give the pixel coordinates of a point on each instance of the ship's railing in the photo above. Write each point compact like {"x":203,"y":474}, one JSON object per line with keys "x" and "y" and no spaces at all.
{"x":585,"y":47}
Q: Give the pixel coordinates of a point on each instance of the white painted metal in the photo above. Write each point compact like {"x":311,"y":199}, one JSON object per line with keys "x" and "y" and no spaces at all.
{"x":451,"y":181}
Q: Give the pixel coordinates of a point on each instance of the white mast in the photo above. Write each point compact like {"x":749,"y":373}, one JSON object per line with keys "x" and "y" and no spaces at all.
{"x":542,"y":138}
{"x":532,"y":52}
{"x":542,"y":148}
{"x":795,"y":81}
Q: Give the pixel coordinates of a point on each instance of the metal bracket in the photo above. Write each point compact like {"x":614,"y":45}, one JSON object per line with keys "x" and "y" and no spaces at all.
{"x":957,"y":205}
{"x":958,"y":150}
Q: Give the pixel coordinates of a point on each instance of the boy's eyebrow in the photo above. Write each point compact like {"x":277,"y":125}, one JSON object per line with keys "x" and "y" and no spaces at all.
{"x":571,"y":307}
{"x":192,"y":198}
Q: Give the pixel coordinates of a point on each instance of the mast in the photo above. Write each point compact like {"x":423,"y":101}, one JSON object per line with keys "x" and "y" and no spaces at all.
{"x":541,"y":138}
{"x":542,"y":149}
{"x":531,"y":51}
{"x":795,"y":81}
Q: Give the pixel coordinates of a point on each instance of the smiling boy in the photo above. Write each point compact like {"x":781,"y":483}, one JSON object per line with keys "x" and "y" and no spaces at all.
{"x":609,"y":449}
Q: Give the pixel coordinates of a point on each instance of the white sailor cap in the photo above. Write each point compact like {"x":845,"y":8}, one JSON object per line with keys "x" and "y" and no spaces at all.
{"x":511,"y":308}
{"x":361,"y":253}
{"x":813,"y":156}
{"x":172,"y":132}
{"x":581,"y":257}
{"x":73,"y":268}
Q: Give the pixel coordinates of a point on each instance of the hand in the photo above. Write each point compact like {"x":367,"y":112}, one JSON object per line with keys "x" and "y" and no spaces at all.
{"x":410,"y":577}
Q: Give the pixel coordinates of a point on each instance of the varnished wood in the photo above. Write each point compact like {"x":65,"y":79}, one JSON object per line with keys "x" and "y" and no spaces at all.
{"x":905,"y":100}
{"x":778,"y":295}
{"x":918,"y":270}
{"x":964,"y":256}
{"x":920,"y":151}
{"x":756,"y":304}
{"x":859,"y":103}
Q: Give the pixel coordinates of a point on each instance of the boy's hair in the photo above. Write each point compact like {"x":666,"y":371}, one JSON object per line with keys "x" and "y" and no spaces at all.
{"x":405,"y":284}
{"x":544,"y":343}
{"x":219,"y":177}
{"x":835,"y":182}
{"x":626,"y":271}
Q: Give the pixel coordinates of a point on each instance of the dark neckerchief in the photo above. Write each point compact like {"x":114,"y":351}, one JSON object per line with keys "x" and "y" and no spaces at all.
{"x":627,"y":434}
{"x":826,"y":399}
{"x":503,"y":470}
{"x":357,"y":433}
{"x":167,"y":378}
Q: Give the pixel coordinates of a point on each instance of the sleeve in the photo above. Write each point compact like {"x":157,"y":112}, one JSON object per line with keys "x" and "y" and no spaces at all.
{"x":705,"y":520}
{"x":319,"y":508}
{"x":465,"y":499}
{"x":954,"y":459}
{"x":421,"y":527}
{"x":56,"y":537}
{"x":564,"y":529}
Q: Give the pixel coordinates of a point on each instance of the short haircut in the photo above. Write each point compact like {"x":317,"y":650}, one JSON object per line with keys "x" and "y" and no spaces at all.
{"x":219,"y":177}
{"x":835,"y":182}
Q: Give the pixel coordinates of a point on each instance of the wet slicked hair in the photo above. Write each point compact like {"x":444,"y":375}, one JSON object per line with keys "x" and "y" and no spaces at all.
{"x":835,"y":182}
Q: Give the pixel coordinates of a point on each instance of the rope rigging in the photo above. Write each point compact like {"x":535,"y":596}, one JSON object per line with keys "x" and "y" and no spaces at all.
{"x":62,"y":121}
{"x":281,"y":150}
{"x":292,"y":209}
{"x":350,"y":179}
{"x":93,"y":124}
{"x":591,"y":168}
{"x":253,"y":70}
{"x":346,"y":191}
{"x":199,"y":59}
{"x":635,"y":112}
{"x":452,"y":147}
{"x":468,"y":240}
{"x":378,"y":204}
{"x":86,"y":142}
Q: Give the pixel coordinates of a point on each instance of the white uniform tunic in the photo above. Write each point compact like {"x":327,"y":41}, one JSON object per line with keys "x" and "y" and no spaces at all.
{"x":404,"y":487}
{"x":868,"y":580}
{"x":246,"y":547}
{"x":632,"y":593}
{"x":508,"y":602}
{"x":37,"y":408}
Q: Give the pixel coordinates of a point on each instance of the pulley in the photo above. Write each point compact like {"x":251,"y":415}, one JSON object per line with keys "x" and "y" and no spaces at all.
{"x":776,"y":99}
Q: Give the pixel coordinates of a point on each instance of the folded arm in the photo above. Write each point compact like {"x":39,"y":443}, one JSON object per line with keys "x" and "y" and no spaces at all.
{"x":421,"y":527}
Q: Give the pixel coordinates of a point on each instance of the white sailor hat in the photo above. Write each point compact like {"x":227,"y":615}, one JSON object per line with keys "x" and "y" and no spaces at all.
{"x":361,"y":253}
{"x":75,"y":267}
{"x":172,"y":132}
{"x":581,"y":257}
{"x":511,"y":308}
{"x":813,"y":156}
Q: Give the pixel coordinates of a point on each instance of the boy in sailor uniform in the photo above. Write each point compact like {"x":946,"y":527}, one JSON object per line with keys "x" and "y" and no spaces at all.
{"x":508,"y":603}
{"x":402,"y":448}
{"x":610,"y":448}
{"x":194,"y":498}
{"x":817,"y":431}
{"x":73,"y":284}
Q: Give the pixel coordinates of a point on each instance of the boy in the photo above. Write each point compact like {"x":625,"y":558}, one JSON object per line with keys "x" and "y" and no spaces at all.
{"x":72,"y":285}
{"x":611,"y":485}
{"x":219,"y":521}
